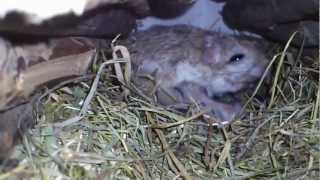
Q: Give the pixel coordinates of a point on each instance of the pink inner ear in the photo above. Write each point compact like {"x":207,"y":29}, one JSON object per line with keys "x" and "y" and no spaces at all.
{"x":209,"y":56}
{"x":208,"y":41}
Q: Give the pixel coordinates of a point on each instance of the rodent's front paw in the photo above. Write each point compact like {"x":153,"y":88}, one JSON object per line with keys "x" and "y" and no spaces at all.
{"x":224,"y":112}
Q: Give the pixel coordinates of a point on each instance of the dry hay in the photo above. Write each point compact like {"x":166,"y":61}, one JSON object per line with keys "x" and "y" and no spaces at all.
{"x":136,"y":139}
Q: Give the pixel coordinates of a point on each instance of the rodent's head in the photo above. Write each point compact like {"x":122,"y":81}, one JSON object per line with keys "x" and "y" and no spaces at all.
{"x":233,"y":63}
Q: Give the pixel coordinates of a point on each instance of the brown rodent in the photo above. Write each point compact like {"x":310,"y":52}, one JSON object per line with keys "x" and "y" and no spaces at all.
{"x":190,"y":64}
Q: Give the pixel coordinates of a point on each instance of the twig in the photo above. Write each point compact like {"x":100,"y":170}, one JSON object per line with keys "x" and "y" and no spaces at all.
{"x":173,"y":162}
{"x":94,"y":86}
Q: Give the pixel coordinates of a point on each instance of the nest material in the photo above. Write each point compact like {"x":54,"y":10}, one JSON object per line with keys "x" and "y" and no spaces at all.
{"x":135,"y":138}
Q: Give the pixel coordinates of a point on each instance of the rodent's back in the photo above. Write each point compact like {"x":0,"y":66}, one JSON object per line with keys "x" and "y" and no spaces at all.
{"x":161,"y":43}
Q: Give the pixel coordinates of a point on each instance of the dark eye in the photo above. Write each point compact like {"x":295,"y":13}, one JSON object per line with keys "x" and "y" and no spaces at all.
{"x":236,"y":58}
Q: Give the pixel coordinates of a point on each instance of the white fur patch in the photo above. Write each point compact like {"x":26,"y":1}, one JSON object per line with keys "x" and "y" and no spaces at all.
{"x":187,"y":72}
{"x":219,"y":85}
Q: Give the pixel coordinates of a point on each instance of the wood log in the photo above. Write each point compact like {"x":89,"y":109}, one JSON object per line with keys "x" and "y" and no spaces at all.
{"x":106,"y":23}
{"x":275,"y":19}
{"x":169,"y":8}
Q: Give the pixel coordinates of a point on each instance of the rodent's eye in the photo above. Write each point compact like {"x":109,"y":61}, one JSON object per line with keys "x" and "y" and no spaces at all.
{"x":236,"y":58}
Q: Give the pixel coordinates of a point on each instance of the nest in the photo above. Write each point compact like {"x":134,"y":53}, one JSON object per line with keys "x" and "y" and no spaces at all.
{"x":111,"y":130}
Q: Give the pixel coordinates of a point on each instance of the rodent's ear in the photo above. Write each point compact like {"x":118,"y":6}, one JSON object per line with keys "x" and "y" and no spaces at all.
{"x":259,"y":43}
{"x":262,"y":44}
{"x":208,"y":41}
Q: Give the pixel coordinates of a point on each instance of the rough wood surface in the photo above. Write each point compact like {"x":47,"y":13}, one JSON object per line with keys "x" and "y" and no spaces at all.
{"x":25,"y":68}
{"x":102,"y":18}
{"x":169,"y":8}
{"x":96,"y":23}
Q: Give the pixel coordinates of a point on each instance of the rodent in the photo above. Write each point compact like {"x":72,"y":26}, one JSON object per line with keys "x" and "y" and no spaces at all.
{"x":190,"y":63}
